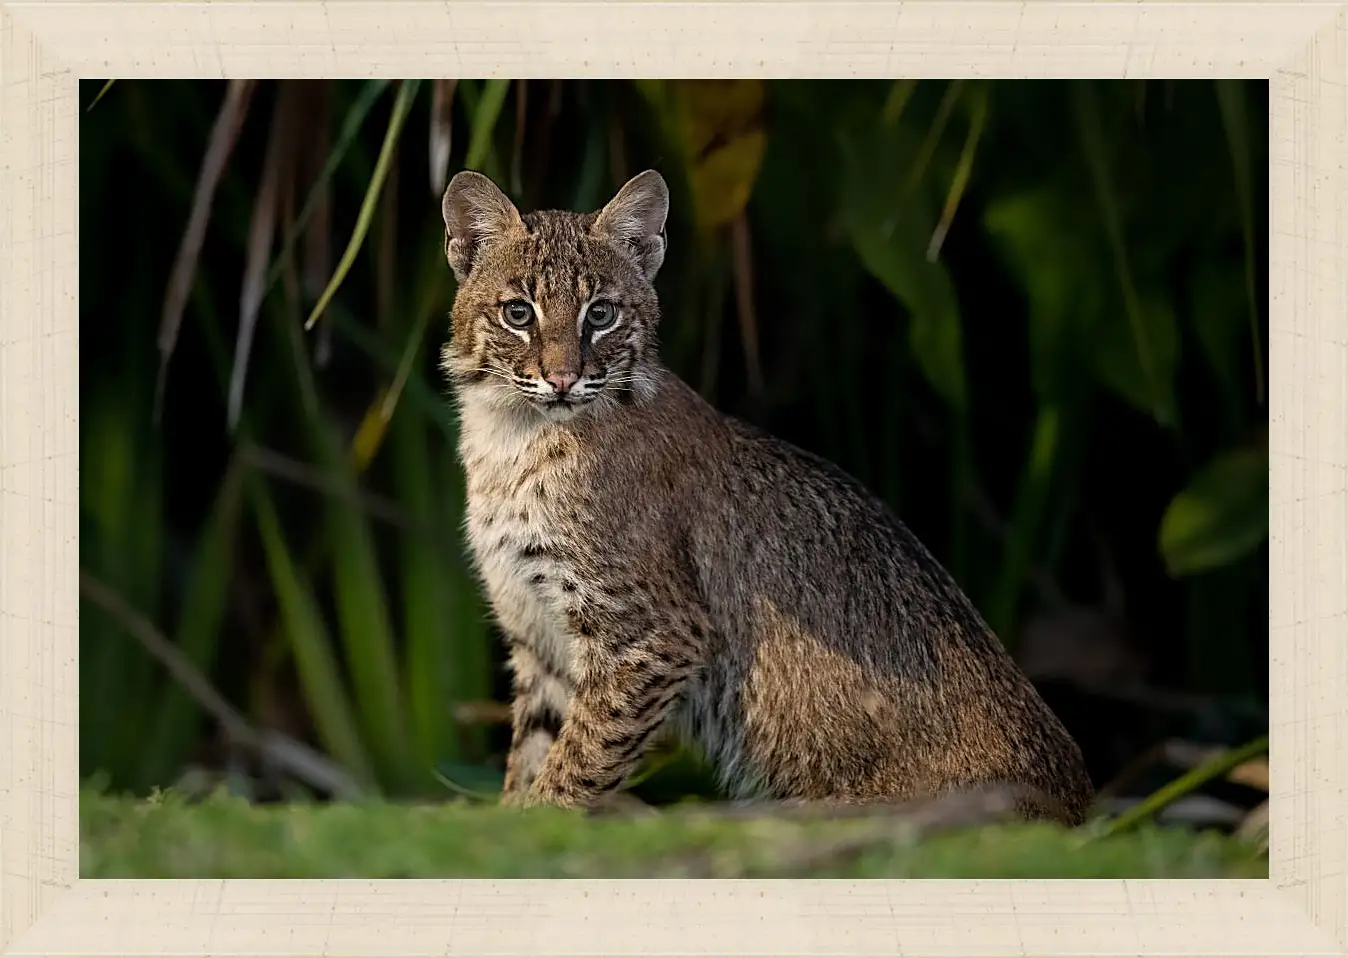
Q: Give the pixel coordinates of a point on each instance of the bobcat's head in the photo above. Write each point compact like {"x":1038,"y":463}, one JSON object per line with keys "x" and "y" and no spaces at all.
{"x":555,"y":310}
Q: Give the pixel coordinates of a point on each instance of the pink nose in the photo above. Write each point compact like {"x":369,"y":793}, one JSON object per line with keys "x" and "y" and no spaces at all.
{"x":562,"y":382}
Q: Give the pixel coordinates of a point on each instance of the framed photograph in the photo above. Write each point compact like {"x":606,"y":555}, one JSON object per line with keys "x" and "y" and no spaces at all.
{"x":674,"y":477}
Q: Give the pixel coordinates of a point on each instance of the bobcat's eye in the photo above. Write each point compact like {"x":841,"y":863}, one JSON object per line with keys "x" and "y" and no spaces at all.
{"x":518,"y":313}
{"x":601,"y":315}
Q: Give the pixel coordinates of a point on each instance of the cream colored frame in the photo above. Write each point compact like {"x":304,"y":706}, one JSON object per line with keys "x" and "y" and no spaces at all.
{"x":1302,"y":48}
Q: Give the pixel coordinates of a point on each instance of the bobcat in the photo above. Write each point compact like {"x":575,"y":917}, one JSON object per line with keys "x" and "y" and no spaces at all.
{"x":655,"y":564}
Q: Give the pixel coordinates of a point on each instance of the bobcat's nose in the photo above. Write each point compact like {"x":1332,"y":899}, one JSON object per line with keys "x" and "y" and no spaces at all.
{"x":561,"y":383}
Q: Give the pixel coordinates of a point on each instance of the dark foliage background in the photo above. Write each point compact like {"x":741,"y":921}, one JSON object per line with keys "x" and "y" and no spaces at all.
{"x":1031,"y":315}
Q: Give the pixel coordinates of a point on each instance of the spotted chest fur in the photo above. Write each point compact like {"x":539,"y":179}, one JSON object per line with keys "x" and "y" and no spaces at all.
{"x":518,"y":553}
{"x":517,"y":520}
{"x":588,"y":646}
{"x":517,"y":559}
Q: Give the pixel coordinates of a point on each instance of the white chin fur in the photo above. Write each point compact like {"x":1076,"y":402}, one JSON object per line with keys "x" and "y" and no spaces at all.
{"x":560,"y":413}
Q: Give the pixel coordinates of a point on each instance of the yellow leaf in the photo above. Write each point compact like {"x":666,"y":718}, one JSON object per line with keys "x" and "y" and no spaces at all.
{"x":719,"y":124}
{"x":723,"y":182}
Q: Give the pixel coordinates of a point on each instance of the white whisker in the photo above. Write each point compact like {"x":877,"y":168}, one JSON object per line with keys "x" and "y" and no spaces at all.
{"x":499,"y":374}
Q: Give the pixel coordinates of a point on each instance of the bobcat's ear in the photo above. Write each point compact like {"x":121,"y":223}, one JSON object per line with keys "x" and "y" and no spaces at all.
{"x":635,"y":219}
{"x":476,"y":212}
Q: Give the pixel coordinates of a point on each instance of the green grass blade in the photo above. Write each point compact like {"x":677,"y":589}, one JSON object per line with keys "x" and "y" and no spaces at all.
{"x":897,"y":101}
{"x":199,"y":625}
{"x":934,"y":133}
{"x":472,"y":619}
{"x":424,"y":600}
{"x":433,"y":294}
{"x":1231,"y":100}
{"x":319,"y":675}
{"x":352,"y":124}
{"x":448,"y":653}
{"x":961,"y":480}
{"x":121,"y":514}
{"x":960,"y":182}
{"x":124,"y":543}
{"x":401,"y":107}
{"x":362,"y":610}
{"x":367,"y":635}
{"x":589,"y":184}
{"x":1027,"y":519}
{"x":101,"y":93}
{"x":471,"y":794}
{"x":301,"y":622}
{"x":1189,"y":782}
{"x":337,"y":718}
{"x":485,"y":114}
{"x":1097,"y":161}
{"x":446,"y":659}
{"x":420,"y":394}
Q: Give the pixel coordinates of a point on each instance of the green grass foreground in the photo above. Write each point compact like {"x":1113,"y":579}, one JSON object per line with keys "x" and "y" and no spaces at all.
{"x":167,"y":837}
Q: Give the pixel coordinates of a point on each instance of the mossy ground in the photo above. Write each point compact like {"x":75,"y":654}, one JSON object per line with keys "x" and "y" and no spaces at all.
{"x":167,"y":837}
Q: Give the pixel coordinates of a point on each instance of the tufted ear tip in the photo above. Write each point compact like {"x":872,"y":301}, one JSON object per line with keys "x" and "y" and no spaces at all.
{"x":635,"y":218}
{"x":651,"y":184}
{"x":475,"y":212}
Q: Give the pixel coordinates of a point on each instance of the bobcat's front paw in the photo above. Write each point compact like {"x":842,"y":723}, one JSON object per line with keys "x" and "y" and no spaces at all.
{"x":554,"y":789}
